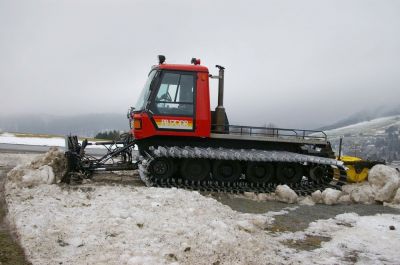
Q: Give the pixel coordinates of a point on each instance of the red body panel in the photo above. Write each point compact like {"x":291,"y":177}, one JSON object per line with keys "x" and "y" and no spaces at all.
{"x":183,"y":67}
{"x":197,"y":126}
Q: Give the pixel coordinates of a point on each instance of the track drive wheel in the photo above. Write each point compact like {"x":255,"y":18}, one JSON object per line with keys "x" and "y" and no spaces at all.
{"x":226,"y":170}
{"x":258,"y":172}
{"x":195,"y":169}
{"x":320,"y":173}
{"x":289,"y":173}
{"x":162,"y":168}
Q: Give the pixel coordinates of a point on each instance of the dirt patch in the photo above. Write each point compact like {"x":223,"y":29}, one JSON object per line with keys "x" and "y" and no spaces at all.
{"x":278,"y":228}
{"x":130,"y":178}
{"x":310,"y":242}
{"x":10,"y":252}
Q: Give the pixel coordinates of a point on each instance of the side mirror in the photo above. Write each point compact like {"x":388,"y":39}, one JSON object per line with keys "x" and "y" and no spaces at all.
{"x":129,"y":113}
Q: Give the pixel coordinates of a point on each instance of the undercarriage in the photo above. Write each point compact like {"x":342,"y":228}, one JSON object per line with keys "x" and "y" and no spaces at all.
{"x":199,"y":166}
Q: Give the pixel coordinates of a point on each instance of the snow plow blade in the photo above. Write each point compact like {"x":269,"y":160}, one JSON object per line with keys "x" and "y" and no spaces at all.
{"x":80,"y":165}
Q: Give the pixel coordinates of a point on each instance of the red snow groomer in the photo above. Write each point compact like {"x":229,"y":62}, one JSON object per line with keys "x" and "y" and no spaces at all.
{"x":182,"y":143}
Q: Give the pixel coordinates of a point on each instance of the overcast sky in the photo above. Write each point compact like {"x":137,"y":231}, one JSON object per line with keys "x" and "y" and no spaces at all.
{"x":293,"y":63}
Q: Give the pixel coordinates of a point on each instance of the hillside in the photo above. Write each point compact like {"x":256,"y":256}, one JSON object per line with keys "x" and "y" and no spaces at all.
{"x":374,"y":139}
{"x":365,"y":115}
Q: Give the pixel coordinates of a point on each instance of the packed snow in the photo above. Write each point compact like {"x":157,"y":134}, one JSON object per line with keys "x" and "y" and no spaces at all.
{"x":355,"y":240}
{"x":117,"y":224}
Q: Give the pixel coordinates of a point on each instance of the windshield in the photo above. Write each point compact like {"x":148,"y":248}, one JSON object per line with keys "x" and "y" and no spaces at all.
{"x":144,"y":95}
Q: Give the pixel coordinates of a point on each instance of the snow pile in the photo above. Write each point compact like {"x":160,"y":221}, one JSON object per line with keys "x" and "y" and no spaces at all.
{"x":307,"y":201}
{"x":359,"y":192}
{"x":384,"y":181}
{"x":382,"y":185}
{"x":344,"y":199}
{"x":46,"y":169}
{"x":27,"y":177}
{"x":354,"y":240}
{"x":330,"y":196}
{"x":256,"y":196}
{"x":317,"y":196}
{"x":127,"y":225}
{"x":285,"y":194}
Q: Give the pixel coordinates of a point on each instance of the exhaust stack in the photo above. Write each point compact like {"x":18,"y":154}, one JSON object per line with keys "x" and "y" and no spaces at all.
{"x":220,"y":116}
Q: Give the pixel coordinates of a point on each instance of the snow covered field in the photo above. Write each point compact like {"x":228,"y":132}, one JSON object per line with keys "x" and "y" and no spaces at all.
{"x":9,"y":138}
{"x":119,"y":224}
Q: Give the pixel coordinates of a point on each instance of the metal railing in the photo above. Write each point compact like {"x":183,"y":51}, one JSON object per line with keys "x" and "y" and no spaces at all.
{"x":270,"y":132}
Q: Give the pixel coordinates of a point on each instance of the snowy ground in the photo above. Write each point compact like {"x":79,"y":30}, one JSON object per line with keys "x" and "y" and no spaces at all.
{"x":11,"y":160}
{"x":124,"y":224}
{"x":9,"y":138}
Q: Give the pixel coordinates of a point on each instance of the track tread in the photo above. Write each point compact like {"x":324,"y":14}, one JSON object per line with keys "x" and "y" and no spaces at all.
{"x":303,"y":188}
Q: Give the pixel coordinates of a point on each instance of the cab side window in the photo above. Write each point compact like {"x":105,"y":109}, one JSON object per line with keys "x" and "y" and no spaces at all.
{"x":175,"y":95}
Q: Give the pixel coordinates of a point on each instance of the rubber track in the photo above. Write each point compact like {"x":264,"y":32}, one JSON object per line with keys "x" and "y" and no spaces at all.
{"x":305,"y":187}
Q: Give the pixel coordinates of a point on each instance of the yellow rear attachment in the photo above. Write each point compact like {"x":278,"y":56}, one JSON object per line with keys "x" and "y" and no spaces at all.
{"x":358,"y":168}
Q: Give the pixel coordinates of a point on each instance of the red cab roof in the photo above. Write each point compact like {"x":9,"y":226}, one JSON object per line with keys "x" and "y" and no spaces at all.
{"x":183,"y":67}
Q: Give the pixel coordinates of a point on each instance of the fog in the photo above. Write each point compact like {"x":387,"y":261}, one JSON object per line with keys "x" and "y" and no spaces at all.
{"x":293,"y":63}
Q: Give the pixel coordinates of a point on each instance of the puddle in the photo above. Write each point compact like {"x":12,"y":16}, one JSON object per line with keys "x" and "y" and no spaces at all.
{"x":300,"y":218}
{"x":250,"y":206}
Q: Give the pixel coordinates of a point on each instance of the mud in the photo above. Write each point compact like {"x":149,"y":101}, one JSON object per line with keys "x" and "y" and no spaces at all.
{"x":310,"y":242}
{"x":10,"y":252}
